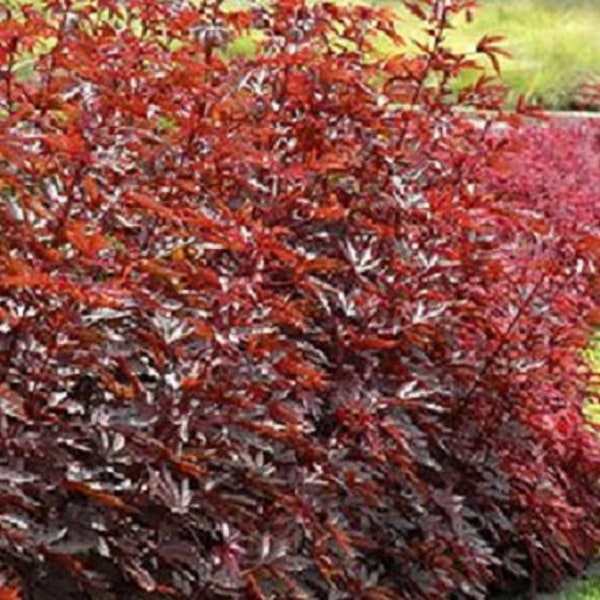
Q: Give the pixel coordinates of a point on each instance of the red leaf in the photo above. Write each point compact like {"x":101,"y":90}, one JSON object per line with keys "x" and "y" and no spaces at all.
{"x":87,"y":242}
{"x":13,"y":404}
{"x":416,"y":10}
{"x":141,"y":577}
{"x":105,"y":498}
{"x":10,"y":593}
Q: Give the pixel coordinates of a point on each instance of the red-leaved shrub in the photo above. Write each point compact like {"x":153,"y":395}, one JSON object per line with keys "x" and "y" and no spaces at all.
{"x":283,"y":325}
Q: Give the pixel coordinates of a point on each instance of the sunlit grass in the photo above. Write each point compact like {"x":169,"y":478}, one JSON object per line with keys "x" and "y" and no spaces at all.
{"x":593,"y":356}
{"x":554,"y":44}
{"x":584,"y":589}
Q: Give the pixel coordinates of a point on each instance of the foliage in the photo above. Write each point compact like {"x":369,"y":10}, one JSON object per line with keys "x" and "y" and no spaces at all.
{"x":278,"y":326}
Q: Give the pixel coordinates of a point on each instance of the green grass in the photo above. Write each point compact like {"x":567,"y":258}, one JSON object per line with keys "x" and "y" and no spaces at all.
{"x":583,"y":590}
{"x":554,"y":44}
{"x":594,"y":358}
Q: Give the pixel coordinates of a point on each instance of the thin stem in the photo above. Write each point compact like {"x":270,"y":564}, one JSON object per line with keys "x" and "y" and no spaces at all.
{"x":502,"y":343}
{"x":439,"y":36}
{"x":9,"y":76}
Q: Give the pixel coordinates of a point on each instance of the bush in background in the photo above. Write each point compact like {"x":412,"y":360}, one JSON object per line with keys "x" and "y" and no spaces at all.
{"x":276,"y":326}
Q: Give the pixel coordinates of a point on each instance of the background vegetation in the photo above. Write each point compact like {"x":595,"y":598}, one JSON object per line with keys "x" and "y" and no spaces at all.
{"x":553,"y":43}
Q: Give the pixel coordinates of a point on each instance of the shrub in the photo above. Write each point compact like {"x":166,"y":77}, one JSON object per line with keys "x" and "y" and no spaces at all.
{"x":274,"y":326}
{"x":588,"y":95}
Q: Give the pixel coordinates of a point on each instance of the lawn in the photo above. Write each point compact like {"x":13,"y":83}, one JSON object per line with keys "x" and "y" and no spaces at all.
{"x":594,"y":355}
{"x":554,"y":45}
{"x":585,"y":590}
